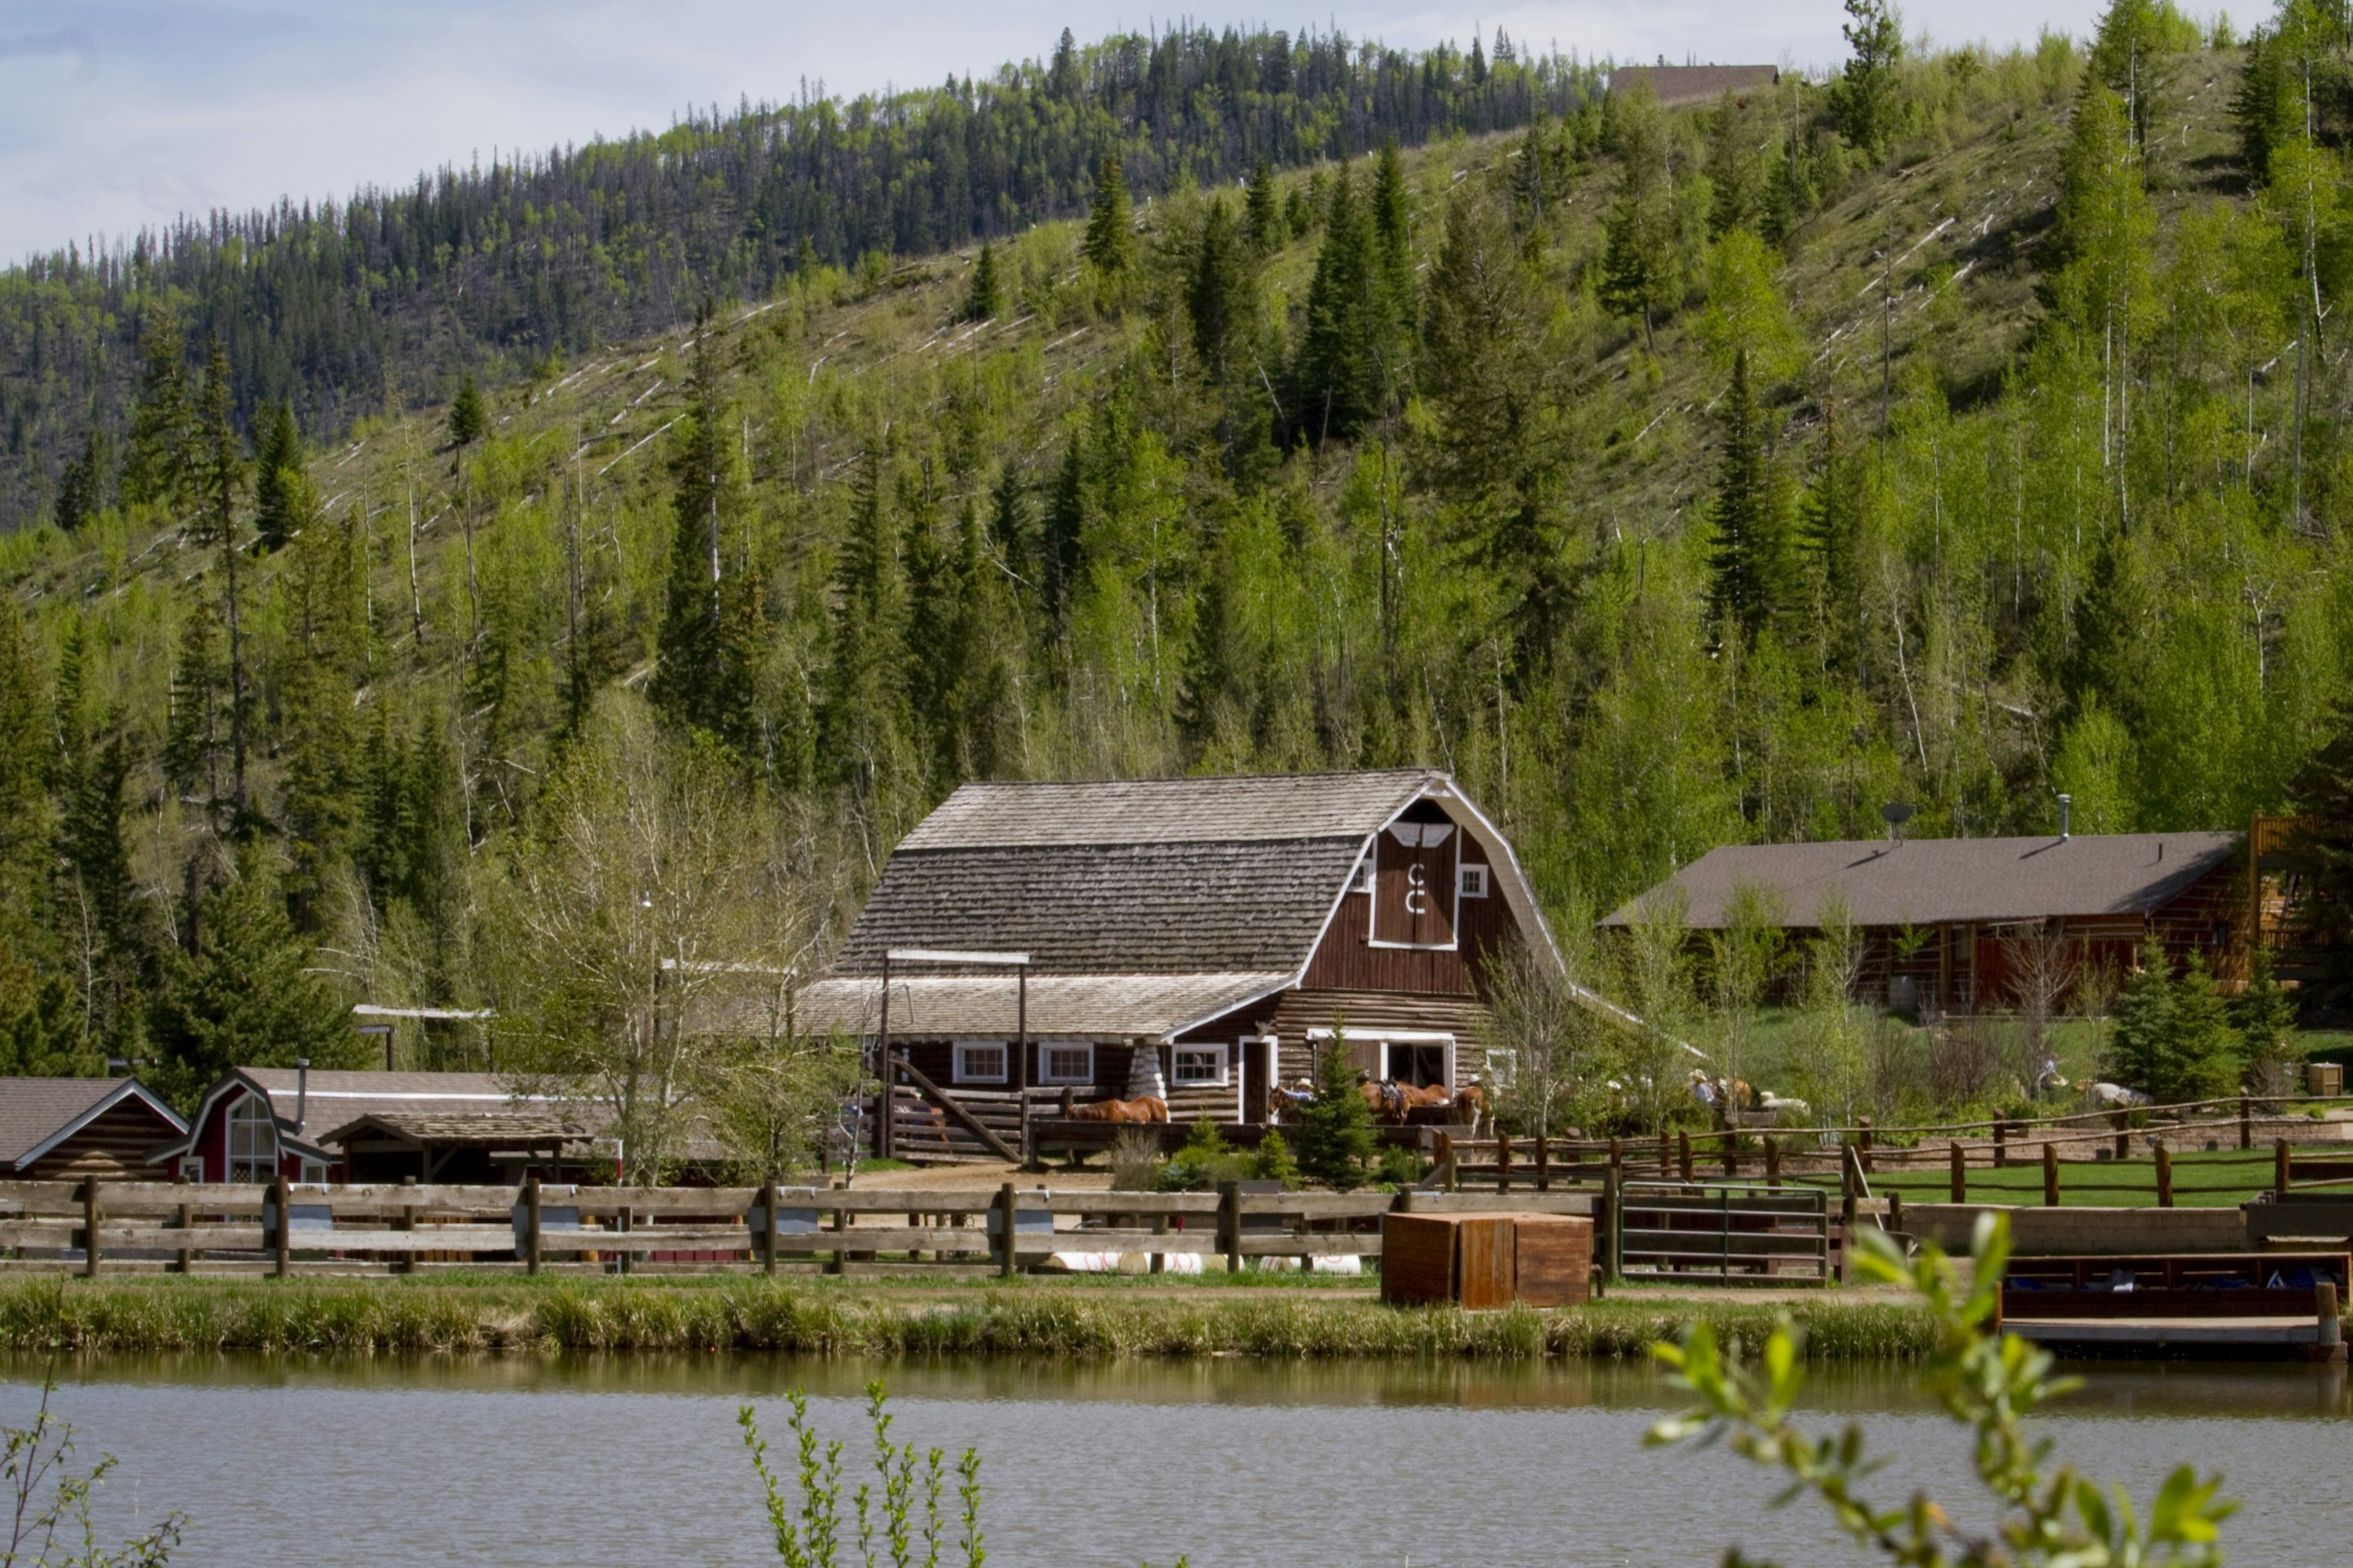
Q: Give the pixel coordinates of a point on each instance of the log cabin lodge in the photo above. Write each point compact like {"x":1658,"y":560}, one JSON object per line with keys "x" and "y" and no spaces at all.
{"x":1196,"y":938}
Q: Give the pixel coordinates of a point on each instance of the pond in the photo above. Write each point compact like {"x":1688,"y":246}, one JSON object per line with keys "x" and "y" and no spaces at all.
{"x":637,"y":1459}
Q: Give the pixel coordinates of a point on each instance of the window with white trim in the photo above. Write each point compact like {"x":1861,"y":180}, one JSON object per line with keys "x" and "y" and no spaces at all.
{"x":1471,"y":880}
{"x":252,"y":1140}
{"x":192,"y":1168}
{"x":1200,"y":1066}
{"x":1363,"y":882}
{"x":1066,"y":1063}
{"x":980,"y":1061}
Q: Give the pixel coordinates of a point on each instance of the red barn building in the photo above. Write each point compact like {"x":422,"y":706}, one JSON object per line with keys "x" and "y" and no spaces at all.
{"x":259,"y":1123}
{"x":1195,"y":937}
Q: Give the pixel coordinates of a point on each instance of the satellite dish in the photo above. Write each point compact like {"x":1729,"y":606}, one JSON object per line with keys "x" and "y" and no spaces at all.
{"x":1895,"y":814}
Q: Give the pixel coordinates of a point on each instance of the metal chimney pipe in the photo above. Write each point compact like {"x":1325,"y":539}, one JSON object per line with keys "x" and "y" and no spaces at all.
{"x":2066,"y":815}
{"x":301,"y":1091}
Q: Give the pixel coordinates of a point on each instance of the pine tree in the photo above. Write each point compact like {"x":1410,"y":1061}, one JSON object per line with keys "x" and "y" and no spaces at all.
{"x":984,"y":300}
{"x":1221,"y":302}
{"x":2264,"y":1016}
{"x":2141,"y":1038}
{"x":163,"y":464}
{"x":2319,"y":857}
{"x":224,"y":476}
{"x":1064,"y":529}
{"x":1348,"y":353}
{"x":25,"y":763}
{"x":99,"y":922}
{"x":470,"y":420}
{"x":1831,"y":518}
{"x":1866,"y":101}
{"x":865,"y":720}
{"x":191,"y":743}
{"x":1262,"y":217}
{"x":1393,"y":238}
{"x":281,"y":501}
{"x":1639,"y":261}
{"x":1110,"y":241}
{"x":81,"y":487}
{"x":1746,"y":562}
{"x":1733,"y":198}
{"x":2202,"y":1058}
{"x":691,"y":679}
{"x":1336,"y":1129}
{"x":245,"y":997}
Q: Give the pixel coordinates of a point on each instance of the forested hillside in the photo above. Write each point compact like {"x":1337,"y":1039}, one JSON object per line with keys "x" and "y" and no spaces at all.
{"x":384,"y":301}
{"x":1962,"y":430}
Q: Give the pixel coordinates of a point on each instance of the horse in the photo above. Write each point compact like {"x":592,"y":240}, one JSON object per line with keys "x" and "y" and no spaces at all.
{"x":1281,"y":1101}
{"x":1143,"y":1109}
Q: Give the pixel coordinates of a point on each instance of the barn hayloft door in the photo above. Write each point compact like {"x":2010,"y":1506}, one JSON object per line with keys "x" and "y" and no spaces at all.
{"x":1413,"y":880}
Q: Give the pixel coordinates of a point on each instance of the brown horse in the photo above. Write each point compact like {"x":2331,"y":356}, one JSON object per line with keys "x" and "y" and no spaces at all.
{"x":1143,"y":1108}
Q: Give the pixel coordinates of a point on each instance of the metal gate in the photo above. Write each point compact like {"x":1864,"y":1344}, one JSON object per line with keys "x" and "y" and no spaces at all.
{"x":1727,"y":1233}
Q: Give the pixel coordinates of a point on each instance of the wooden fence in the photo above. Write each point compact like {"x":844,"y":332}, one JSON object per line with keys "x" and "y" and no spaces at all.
{"x":222,"y":1228}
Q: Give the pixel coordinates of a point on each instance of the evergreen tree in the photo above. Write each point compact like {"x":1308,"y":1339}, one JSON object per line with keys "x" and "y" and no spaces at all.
{"x":100,"y":922}
{"x":280,"y":492}
{"x":1866,"y":100}
{"x":1349,"y":352}
{"x":2202,"y":1058}
{"x":1110,"y":241}
{"x":25,"y":758}
{"x":1221,"y":302}
{"x":163,"y":464}
{"x":1262,"y":217}
{"x":245,"y":995}
{"x":1393,"y":238}
{"x":1734,"y":200}
{"x":1746,"y":560}
{"x":470,"y":420}
{"x":1639,"y":261}
{"x":1831,"y":519}
{"x":223,"y":476}
{"x":2140,"y":1039}
{"x":2265,"y":1015}
{"x":690,"y":681}
{"x":985,"y":299}
{"x":1336,"y":1129}
{"x":2319,"y":857}
{"x":81,"y":487}
{"x":865,"y":719}
{"x":1064,"y":529}
{"x":192,"y":737}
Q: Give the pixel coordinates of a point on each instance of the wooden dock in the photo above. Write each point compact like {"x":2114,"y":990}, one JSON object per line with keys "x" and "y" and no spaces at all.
{"x":2196,"y":1303}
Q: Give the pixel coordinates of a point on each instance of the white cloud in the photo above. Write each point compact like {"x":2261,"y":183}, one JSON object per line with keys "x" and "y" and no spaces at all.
{"x":116,"y":114}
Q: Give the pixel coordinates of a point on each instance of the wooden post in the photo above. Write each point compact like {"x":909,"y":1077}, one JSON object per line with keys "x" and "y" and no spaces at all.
{"x":1684,"y":1154}
{"x":1772,"y":1162}
{"x":1863,"y":1143}
{"x":1849,"y":1209}
{"x":1960,"y":1182}
{"x":282,"y":1191}
{"x":2051,"y":1175}
{"x":1606,"y":1219}
{"x":1895,"y":1211}
{"x":2164,"y":1175}
{"x":2282,"y":1173}
{"x":184,"y":1217}
{"x":1159,"y":1228}
{"x":2000,"y":1145}
{"x":1230,"y":1224}
{"x":1616,"y":1159}
{"x":2123,"y":1119}
{"x":2331,"y":1327}
{"x":407,"y":1222}
{"x":840,"y":1263}
{"x":768,"y":1228}
{"x":1005,"y":1200}
{"x":628,"y":1223}
{"x":1502,"y":1161}
{"x":531,"y":1219}
{"x":2246,"y":1121}
{"x":1666,"y":1156}
{"x":89,"y":1218}
{"x":885,"y":1143}
{"x":1544,"y":1165}
{"x":1731,"y":1136}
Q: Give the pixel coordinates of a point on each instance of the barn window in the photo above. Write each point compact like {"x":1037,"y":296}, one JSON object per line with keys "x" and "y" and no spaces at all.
{"x":1198,"y":1067}
{"x":192,"y":1168}
{"x":252,"y":1140}
{"x":980,"y":1063}
{"x":1363,"y":882}
{"x":1065,"y":1064}
{"x":1473,"y":880}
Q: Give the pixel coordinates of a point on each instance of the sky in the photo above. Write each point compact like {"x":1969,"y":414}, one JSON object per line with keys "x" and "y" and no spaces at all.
{"x":119,"y":113}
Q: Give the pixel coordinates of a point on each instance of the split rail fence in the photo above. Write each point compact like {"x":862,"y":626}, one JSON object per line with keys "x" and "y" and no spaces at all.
{"x":223,"y":1229}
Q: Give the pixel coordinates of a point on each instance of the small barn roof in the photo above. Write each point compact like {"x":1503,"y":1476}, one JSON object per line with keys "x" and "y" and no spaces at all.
{"x":1939,"y":881}
{"x":1151,"y":1006}
{"x":1672,"y":85}
{"x":36,"y":1114}
{"x":477,"y":1130}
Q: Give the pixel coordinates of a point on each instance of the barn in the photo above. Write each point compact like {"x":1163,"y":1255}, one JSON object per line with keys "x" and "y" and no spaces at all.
{"x":259,"y":1123}
{"x":1962,"y":925}
{"x":64,"y":1129}
{"x":1196,"y":937}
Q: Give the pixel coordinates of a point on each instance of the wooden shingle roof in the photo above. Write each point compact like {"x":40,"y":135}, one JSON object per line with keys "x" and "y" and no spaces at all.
{"x":1152,"y":1006}
{"x":38,"y":1113}
{"x":1937,"y":881}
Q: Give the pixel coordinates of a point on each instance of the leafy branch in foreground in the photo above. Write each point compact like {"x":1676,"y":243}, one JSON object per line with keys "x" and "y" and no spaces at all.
{"x":1988,"y":1380}
{"x":49,"y":1523}
{"x":810,"y":1536}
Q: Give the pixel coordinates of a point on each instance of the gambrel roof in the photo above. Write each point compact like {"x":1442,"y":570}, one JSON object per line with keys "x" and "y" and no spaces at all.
{"x":1146,"y":907}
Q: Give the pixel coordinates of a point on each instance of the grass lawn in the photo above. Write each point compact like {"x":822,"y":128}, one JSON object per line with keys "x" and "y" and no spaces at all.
{"x":2129,"y":1184}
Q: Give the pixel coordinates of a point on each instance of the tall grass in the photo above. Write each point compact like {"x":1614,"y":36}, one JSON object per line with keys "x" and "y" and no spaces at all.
{"x":367,"y":1317}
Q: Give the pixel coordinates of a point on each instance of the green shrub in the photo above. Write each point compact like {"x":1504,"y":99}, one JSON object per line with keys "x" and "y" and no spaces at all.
{"x":1271,"y":1161}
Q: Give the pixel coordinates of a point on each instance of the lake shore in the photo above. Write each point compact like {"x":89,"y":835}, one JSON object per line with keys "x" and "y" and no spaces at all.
{"x":828,"y":1317}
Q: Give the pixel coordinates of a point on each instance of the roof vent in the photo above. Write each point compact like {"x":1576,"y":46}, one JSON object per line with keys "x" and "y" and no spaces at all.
{"x":1895,"y":814}
{"x":2066,"y":816}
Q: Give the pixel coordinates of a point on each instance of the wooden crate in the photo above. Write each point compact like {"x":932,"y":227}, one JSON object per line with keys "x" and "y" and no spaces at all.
{"x":1553,"y":1260}
{"x":1466,"y":1260}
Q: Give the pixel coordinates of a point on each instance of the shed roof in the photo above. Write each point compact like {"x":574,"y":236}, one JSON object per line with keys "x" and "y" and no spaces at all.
{"x":1937,"y":881}
{"x":1671,"y":85}
{"x":480,"y":1130}
{"x":38,"y":1113}
{"x":941,"y":1006}
{"x":337,"y":1096}
{"x":1257,"y":809}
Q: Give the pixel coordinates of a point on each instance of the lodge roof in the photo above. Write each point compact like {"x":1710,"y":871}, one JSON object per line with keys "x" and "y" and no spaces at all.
{"x":38,"y":1113}
{"x":1938,"y":881}
{"x":1671,"y":85}
{"x":1151,"y":1006}
{"x":1169,"y":876}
